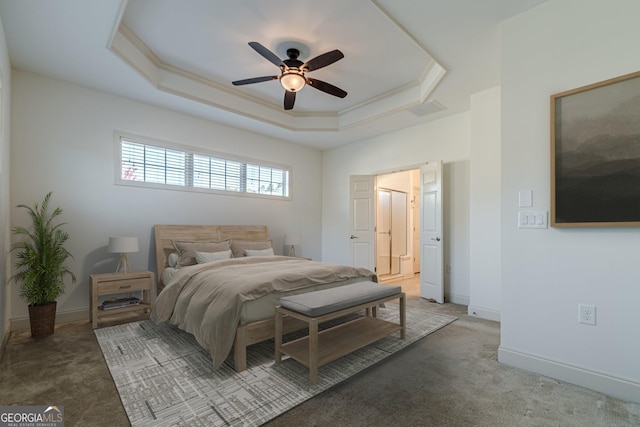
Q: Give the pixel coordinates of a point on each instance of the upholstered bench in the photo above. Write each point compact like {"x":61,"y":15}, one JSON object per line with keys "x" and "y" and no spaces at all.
{"x":320,"y":348}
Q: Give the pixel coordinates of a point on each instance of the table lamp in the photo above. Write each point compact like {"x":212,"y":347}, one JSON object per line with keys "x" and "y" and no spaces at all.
{"x":123,"y":245}
{"x":292,"y":240}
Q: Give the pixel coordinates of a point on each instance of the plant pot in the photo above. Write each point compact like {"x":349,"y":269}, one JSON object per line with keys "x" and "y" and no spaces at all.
{"x":42,"y":319}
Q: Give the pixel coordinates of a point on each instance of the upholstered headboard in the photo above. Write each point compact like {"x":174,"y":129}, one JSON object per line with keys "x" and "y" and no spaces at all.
{"x":166,"y":234}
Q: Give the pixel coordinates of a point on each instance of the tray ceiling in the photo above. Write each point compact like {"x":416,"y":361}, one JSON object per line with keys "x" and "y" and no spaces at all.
{"x":405,"y":62}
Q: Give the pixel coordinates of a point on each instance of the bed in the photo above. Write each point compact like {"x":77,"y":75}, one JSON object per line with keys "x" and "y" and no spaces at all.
{"x":218,"y":302}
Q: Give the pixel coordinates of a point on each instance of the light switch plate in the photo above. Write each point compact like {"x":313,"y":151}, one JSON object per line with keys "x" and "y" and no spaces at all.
{"x":533,"y":219}
{"x":525,"y":198}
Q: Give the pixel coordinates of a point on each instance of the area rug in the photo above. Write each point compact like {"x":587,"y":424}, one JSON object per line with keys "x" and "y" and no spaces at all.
{"x":165,"y":378}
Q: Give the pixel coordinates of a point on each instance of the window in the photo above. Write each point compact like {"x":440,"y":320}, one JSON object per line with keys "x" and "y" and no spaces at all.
{"x":154,"y":164}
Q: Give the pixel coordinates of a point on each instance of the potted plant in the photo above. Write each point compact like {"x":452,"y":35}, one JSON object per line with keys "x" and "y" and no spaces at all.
{"x":40,"y":259}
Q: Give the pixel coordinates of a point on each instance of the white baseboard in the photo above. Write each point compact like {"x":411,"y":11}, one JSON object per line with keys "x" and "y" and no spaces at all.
{"x":22,"y":323}
{"x":456,"y":299}
{"x":604,"y":383}
{"x":483,"y":313}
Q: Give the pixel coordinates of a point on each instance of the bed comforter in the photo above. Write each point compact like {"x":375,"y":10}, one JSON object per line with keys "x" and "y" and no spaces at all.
{"x":206,"y":299}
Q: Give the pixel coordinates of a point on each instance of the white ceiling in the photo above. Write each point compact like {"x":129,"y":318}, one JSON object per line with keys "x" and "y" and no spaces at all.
{"x":406,"y":62}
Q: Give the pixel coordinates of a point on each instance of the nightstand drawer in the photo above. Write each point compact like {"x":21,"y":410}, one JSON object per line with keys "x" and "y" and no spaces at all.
{"x":118,"y":286}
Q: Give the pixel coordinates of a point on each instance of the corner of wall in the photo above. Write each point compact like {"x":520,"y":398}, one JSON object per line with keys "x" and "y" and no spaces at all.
{"x":484,"y":206}
{"x":5,"y":220}
{"x":484,"y":313}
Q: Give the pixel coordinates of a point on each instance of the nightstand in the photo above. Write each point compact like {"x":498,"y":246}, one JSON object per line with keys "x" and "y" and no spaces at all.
{"x":119,"y":283}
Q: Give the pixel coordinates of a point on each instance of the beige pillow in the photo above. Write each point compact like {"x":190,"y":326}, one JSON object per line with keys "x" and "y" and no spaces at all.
{"x":187,"y":250}
{"x":259,"y":252}
{"x":238,"y":247}
{"x":202,"y":257}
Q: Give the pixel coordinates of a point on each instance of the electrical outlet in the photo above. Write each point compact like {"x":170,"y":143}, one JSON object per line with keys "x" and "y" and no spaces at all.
{"x":587,"y":314}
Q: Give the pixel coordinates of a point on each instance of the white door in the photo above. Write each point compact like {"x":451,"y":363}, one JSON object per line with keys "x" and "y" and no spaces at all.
{"x":431,"y":241}
{"x":362,"y":220}
{"x":415,"y":229}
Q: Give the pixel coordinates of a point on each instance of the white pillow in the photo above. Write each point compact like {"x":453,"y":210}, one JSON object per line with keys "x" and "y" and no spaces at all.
{"x":239,"y":246}
{"x":173,"y":259}
{"x":259,"y":252}
{"x":202,"y":257}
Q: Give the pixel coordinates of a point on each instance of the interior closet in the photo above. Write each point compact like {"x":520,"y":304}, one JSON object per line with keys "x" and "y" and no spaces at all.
{"x":391,"y":230}
{"x":396,"y":228}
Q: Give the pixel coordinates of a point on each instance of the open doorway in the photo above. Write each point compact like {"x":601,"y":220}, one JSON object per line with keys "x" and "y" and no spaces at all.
{"x":425,"y":219}
{"x":397,"y":243}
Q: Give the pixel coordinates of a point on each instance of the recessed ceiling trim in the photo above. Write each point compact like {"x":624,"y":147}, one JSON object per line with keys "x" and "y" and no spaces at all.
{"x":168,"y":78}
{"x":170,"y":69}
{"x":378,"y":109}
{"x":167,"y":70}
{"x":118,"y":22}
{"x":182,"y":83}
{"x":407,"y":33}
{"x":139,"y":44}
{"x":430,"y":80}
{"x":152,"y":58}
{"x":393,"y":102}
{"x":426,"y":108}
{"x":134,"y":57}
{"x":206,"y":94}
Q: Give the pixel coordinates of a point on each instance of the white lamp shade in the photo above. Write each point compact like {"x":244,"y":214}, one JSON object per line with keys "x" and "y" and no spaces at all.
{"x":123,"y":244}
{"x":291,"y":239}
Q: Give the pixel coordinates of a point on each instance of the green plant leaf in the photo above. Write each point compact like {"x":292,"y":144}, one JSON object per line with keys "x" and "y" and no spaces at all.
{"x":40,"y":255}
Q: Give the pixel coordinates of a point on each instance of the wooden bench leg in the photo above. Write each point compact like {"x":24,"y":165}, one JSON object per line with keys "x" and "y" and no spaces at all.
{"x":372,"y":311}
{"x":278,"y":335}
{"x":313,"y":352}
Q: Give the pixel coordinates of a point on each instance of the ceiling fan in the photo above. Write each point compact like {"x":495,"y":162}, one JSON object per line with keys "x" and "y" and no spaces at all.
{"x":293,"y":71}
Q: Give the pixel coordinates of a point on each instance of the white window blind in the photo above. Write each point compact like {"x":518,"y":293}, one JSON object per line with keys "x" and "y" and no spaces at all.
{"x":153,"y":164}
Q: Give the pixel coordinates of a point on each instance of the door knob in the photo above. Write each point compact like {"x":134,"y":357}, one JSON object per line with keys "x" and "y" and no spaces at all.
{"x":353,"y":237}
{"x":437,"y":239}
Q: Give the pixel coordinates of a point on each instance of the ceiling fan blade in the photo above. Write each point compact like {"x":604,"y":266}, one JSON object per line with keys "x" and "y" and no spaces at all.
{"x":254,"y":80}
{"x":270,"y":56}
{"x":326,"y":87}
{"x":323,"y":60}
{"x":289,"y":99}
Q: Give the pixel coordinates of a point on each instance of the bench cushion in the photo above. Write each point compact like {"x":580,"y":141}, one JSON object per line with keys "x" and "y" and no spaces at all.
{"x":318,"y":303}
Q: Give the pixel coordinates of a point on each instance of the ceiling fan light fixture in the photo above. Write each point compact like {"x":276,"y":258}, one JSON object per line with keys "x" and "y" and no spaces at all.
{"x":293,"y":80}
{"x":292,"y":72}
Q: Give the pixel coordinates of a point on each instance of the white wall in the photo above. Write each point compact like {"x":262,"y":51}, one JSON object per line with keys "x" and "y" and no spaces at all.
{"x":484,"y":258}
{"x":63,"y":141}
{"x":555,"y":47}
{"x":5,"y":226}
{"x":447,"y":140}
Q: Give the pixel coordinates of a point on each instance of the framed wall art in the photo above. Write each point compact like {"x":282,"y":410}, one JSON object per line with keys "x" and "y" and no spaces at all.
{"x":595,"y":154}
